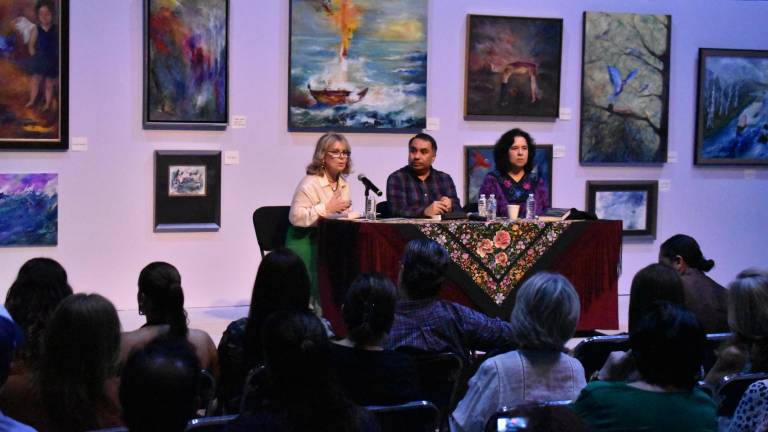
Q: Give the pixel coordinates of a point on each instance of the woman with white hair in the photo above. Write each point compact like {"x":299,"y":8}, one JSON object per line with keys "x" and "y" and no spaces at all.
{"x":543,"y":320}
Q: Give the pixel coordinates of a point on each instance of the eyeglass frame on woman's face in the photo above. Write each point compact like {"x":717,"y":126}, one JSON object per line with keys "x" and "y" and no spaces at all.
{"x":337,"y":154}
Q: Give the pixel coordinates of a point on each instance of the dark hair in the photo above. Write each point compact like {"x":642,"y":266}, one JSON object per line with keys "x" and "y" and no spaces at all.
{"x":159,"y":386}
{"x":501,"y":150}
{"x":424,"y":265}
{"x":44,"y":3}
{"x":282,"y":283}
{"x":39,"y":287}
{"x":653,"y":284}
{"x":689,"y":251}
{"x":369,"y":308}
{"x":81,"y":348}
{"x":424,"y":137}
{"x":10,"y":338}
{"x":668,"y":347}
{"x":163,"y":297}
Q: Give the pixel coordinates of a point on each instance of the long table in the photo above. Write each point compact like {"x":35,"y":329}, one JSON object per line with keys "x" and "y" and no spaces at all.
{"x":489,"y":261}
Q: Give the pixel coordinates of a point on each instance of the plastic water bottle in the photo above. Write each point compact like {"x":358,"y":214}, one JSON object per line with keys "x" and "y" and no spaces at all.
{"x":530,"y":207}
{"x":481,"y":202}
{"x":491,"y":210}
{"x":370,"y":208}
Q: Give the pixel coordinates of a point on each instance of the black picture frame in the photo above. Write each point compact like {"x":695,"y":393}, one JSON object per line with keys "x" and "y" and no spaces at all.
{"x":728,"y":133}
{"x":187,"y":213}
{"x":159,"y":94}
{"x":621,"y":203}
{"x":35,"y":128}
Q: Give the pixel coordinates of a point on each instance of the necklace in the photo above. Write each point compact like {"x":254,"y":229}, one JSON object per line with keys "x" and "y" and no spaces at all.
{"x":334,"y":184}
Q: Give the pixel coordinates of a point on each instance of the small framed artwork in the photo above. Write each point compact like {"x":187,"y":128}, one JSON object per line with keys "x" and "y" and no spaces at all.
{"x":732,"y":109}
{"x":513,"y":67}
{"x":29,"y":209}
{"x":34,"y":64}
{"x":187,"y":190}
{"x":186,"y":64}
{"x":632,"y":202}
{"x":478,"y":161}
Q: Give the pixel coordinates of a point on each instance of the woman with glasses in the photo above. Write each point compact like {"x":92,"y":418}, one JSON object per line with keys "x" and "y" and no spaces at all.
{"x":322,"y":193}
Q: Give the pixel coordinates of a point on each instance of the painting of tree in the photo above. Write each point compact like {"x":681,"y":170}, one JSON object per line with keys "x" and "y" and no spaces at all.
{"x":625,"y":88}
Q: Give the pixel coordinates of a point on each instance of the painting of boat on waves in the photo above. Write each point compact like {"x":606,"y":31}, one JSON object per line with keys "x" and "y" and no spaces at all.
{"x":732,"y":117}
{"x":29,"y":210}
{"x":358,"y":65}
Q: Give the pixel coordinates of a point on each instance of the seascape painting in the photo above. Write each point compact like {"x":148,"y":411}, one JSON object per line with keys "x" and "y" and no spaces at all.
{"x":513,"y":67}
{"x":186,"y":180}
{"x":33,"y":75}
{"x":358,"y":65}
{"x":478,"y":161}
{"x":186,"y":64}
{"x":632,"y":202}
{"x":625,"y":88}
{"x":732,"y":116}
{"x":29,"y":210}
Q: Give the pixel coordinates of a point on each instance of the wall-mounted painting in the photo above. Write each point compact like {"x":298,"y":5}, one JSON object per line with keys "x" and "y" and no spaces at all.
{"x":186,"y":63}
{"x":34,"y":41}
{"x":478,"y":161}
{"x":29,"y":209}
{"x":732,"y":114}
{"x":187,"y":190}
{"x":632,"y":202}
{"x":625,"y":88}
{"x":358,"y":66}
{"x":513,"y":67}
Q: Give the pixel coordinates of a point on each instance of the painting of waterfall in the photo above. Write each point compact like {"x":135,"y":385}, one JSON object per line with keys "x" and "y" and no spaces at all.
{"x":732,"y":115}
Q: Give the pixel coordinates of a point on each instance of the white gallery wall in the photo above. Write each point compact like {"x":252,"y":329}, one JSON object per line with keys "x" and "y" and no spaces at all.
{"x":106,"y":192}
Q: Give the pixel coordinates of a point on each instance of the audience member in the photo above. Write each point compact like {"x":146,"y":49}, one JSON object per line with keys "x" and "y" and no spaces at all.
{"x":544,"y":318}
{"x":425,"y":323}
{"x":161,"y":299}
{"x":704,"y":297}
{"x":159,"y":386}
{"x":302,"y":392}
{"x":667,"y":346}
{"x":282,"y":283}
{"x":747,"y":349}
{"x":10,"y":338}
{"x":370,"y":374}
{"x":752,"y":413}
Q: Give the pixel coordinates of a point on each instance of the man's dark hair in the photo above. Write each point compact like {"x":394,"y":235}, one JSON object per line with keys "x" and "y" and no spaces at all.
{"x":688,"y":249}
{"x":424,"y":137}
{"x":424,"y":265}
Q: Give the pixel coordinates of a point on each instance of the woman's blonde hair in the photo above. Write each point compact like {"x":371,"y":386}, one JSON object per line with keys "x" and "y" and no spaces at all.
{"x":317,"y":166}
{"x":748,"y":305}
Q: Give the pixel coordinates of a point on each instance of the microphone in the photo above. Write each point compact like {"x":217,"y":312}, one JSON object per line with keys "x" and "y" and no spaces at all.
{"x":369,"y":184}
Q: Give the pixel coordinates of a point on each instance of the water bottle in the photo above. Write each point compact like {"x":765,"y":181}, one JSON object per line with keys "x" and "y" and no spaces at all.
{"x":370,"y":208}
{"x":530,"y":207}
{"x":481,"y":205}
{"x":491,"y":210}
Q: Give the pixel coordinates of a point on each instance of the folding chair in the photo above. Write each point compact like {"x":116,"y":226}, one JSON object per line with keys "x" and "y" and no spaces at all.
{"x":209,"y":424}
{"x":416,"y":416}
{"x":731,"y":388}
{"x":271,"y":225}
{"x":592,"y":352}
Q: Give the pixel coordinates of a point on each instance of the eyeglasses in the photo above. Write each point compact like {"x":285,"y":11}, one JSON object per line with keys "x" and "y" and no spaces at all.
{"x":336,"y":154}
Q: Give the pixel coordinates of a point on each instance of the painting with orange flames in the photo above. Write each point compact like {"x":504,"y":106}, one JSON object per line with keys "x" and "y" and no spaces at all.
{"x":358,"y":65}
{"x":33,"y":75}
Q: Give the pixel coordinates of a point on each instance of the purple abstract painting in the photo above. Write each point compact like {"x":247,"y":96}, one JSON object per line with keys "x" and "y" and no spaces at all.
{"x":29,"y":212}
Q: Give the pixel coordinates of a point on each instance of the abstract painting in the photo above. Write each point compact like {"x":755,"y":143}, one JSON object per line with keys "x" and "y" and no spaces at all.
{"x":732,"y":114}
{"x":186,"y":180}
{"x":33,"y":71}
{"x":478,"y":161}
{"x":29,"y":209}
{"x":186,"y":64}
{"x":632,"y":202}
{"x":358,"y":65}
{"x":513,"y":67}
{"x":625,"y":88}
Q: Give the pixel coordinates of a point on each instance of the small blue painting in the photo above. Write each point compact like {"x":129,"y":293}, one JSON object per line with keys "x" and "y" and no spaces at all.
{"x":632,"y":202}
{"x":28,"y":209}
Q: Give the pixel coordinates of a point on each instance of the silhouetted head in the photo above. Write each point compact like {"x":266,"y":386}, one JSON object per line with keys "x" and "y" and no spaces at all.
{"x":653,"y":284}
{"x":748,"y":305}
{"x":369,"y":308}
{"x":681,"y":251}
{"x":424,"y":264}
{"x":161,"y":297}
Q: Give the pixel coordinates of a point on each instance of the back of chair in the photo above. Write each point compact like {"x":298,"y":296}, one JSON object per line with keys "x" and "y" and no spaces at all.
{"x":593,"y":352}
{"x":439,"y":375}
{"x":207,"y":392}
{"x":384,"y":209}
{"x":731,"y":388}
{"x":416,"y":416}
{"x":209,"y":424}
{"x":253,"y":389}
{"x":271,"y":225}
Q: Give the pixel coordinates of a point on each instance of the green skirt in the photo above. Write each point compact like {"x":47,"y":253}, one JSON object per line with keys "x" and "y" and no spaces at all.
{"x":303,"y":242}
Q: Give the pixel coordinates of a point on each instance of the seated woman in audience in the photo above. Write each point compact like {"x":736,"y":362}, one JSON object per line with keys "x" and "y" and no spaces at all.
{"x":302,"y":392}
{"x":161,"y":299}
{"x":39,"y":287}
{"x":544,"y":318}
{"x":752,"y":413}
{"x":78,"y":380}
{"x":704,"y":297}
{"x":747,"y":349}
{"x":282,"y":283}
{"x":369,"y":374}
{"x":667,"y":346}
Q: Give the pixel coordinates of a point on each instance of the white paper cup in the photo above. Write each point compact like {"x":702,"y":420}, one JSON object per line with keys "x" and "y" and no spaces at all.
{"x":513,"y":211}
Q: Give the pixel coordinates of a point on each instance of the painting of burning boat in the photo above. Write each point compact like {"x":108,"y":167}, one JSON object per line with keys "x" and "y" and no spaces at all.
{"x":358,"y":65}
{"x":29,"y":210}
{"x":732,"y":115}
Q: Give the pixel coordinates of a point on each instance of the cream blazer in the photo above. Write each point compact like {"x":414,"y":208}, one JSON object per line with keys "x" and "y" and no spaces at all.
{"x":308,"y":204}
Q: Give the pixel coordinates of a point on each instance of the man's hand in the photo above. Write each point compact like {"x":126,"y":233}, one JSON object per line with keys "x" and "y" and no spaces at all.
{"x":448,"y":204}
{"x":436,"y":208}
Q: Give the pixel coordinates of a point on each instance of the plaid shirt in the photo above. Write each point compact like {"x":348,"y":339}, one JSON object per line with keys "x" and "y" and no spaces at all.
{"x":408,"y":196}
